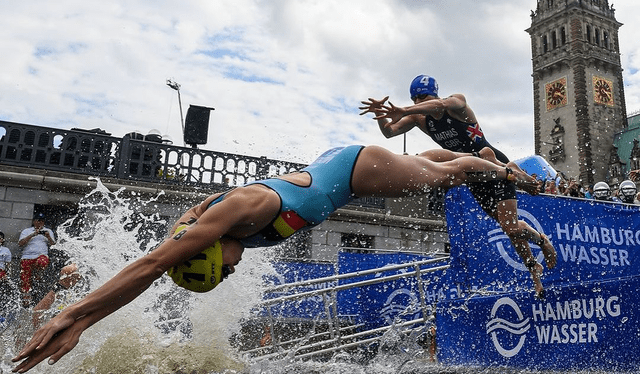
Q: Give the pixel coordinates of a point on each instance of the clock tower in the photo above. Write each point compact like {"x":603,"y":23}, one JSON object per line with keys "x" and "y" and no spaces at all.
{"x":577,"y":85}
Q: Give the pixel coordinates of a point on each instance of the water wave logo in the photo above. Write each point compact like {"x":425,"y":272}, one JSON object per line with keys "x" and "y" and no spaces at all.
{"x":400,"y":301}
{"x":519,"y":327}
{"x":502,"y":241}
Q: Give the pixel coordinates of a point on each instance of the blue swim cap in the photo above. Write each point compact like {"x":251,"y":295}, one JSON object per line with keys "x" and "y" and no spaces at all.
{"x":423,"y":85}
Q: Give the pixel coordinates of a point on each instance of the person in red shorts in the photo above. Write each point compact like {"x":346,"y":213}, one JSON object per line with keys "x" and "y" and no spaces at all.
{"x":35,"y":242}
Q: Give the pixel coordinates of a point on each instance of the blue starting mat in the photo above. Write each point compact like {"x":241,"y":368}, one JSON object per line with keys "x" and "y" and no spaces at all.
{"x":538,"y":166}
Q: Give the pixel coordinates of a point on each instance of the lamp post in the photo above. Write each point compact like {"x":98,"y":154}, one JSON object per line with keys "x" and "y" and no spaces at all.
{"x":404,"y":150}
{"x":176,"y":86}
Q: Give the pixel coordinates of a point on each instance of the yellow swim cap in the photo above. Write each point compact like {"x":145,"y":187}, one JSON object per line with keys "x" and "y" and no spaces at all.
{"x":202,"y":272}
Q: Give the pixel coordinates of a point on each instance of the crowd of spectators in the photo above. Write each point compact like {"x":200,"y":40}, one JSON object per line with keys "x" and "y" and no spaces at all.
{"x":625,"y":192}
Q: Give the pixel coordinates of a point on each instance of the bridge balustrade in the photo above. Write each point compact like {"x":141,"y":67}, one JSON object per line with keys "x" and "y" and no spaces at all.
{"x":136,"y":157}
{"x":96,"y":152}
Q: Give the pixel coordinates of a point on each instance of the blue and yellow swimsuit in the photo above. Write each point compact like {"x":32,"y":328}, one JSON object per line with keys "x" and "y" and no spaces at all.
{"x":302,"y":208}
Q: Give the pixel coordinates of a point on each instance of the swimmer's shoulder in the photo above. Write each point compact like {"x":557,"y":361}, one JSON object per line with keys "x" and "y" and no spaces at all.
{"x":248,"y":194}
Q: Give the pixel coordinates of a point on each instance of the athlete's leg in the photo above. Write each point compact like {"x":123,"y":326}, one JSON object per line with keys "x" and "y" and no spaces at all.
{"x":26,"y":270}
{"x":441,"y":155}
{"x":379,"y":172}
{"x":520,"y":234}
{"x":26,"y":274}
{"x":489,"y":155}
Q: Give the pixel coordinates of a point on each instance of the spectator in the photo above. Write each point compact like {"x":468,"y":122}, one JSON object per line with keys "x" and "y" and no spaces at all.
{"x":573,"y":189}
{"x":68,"y":277}
{"x":615,"y":194}
{"x":58,"y":259}
{"x":589,"y":192}
{"x":628,"y":191}
{"x":9,"y":295}
{"x":24,"y":323}
{"x":266,"y":337}
{"x":562,"y":187}
{"x":602,"y":192}
{"x":35,"y":242}
{"x":550,"y":187}
{"x":5,"y":258}
{"x":9,"y":304}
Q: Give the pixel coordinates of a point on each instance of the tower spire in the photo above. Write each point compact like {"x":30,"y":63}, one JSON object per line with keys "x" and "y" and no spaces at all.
{"x":577,"y":82}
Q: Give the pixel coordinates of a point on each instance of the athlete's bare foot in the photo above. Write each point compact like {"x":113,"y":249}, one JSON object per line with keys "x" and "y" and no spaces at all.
{"x":488,"y":154}
{"x":523,"y":180}
{"x":550,"y":256}
{"x":536,"y":273}
{"x":515,"y":166}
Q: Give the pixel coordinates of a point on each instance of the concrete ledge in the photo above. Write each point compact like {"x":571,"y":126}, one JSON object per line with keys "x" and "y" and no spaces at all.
{"x":59,"y":183}
{"x":11,"y":179}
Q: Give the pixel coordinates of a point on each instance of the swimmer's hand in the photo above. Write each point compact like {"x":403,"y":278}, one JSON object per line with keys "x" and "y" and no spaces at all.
{"x":392,"y":112}
{"x":53,"y":340}
{"x":372,"y":106}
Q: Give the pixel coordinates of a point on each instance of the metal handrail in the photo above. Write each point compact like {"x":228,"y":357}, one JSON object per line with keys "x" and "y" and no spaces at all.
{"x":360,"y":342}
{"x":335,"y":333}
{"x":355,"y":274}
{"x":292,"y":341}
{"x":378,"y":330}
{"x":349,"y":285}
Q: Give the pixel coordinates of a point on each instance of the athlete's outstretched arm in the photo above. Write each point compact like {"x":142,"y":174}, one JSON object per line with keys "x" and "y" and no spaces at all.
{"x":389,"y":129}
{"x":455,"y":105}
{"x":61,"y":334}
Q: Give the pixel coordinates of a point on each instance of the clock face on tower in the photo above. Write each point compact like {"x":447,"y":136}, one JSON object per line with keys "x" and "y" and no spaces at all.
{"x":556,"y":93}
{"x":602,"y":91}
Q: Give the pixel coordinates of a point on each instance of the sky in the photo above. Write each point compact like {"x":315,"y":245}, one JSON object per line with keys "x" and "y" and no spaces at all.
{"x":285,"y":77}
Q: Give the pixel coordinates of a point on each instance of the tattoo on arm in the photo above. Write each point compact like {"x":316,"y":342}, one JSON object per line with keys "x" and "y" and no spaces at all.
{"x":179,"y":235}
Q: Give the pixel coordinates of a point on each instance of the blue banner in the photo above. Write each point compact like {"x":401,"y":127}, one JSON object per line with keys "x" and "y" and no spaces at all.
{"x":292,"y":272}
{"x":586,"y":325}
{"x":594,"y":240}
{"x":384,"y":303}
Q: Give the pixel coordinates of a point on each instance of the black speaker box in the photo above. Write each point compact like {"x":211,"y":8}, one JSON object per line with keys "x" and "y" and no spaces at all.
{"x":196,"y":125}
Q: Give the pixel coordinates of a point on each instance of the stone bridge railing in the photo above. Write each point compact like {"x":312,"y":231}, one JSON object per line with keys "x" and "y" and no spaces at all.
{"x":136,"y":157}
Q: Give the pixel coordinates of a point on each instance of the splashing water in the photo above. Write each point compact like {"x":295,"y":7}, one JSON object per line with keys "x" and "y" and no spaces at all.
{"x":166,"y":329}
{"x":170,"y":330}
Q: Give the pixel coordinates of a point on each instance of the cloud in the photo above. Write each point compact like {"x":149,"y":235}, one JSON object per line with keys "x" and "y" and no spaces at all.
{"x":285,"y":78}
